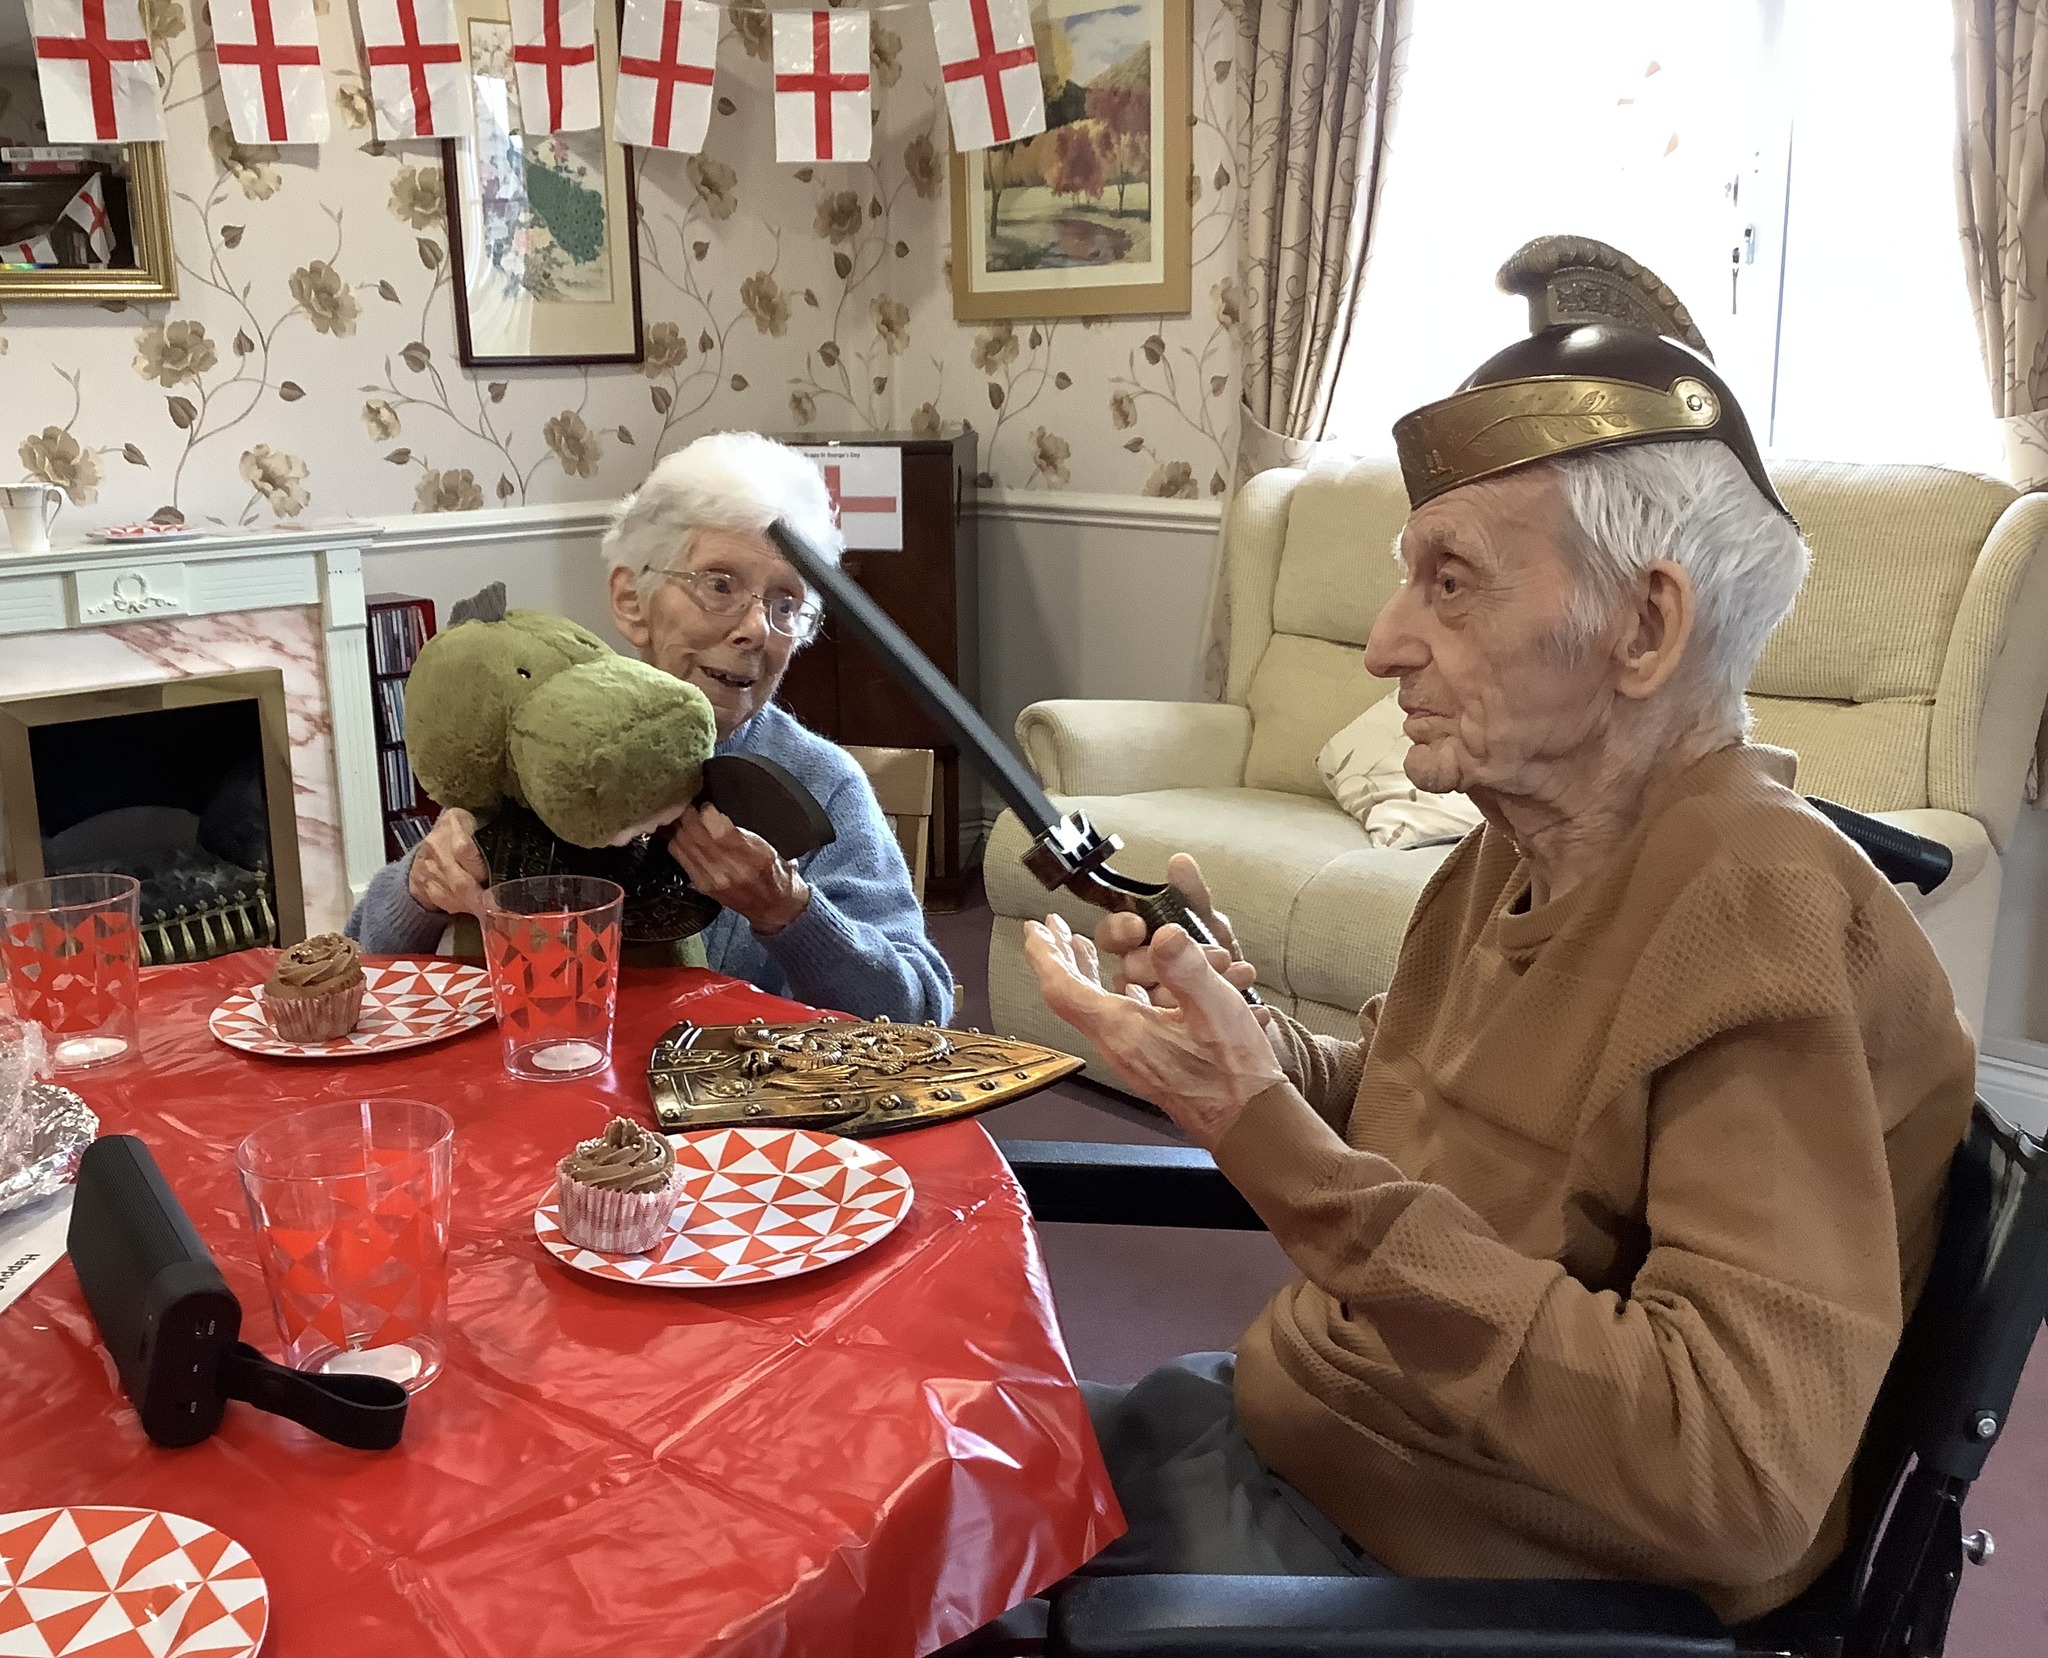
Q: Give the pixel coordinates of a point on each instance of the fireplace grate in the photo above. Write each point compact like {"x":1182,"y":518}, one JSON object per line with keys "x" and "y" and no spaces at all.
{"x":241,"y":920}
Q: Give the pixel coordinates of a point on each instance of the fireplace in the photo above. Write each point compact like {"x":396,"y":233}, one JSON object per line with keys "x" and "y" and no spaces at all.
{"x":184,"y":784}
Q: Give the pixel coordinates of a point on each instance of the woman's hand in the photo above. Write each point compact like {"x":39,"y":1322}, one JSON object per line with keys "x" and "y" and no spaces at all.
{"x":1189,"y":1043}
{"x":739,"y":869}
{"x":448,"y":871}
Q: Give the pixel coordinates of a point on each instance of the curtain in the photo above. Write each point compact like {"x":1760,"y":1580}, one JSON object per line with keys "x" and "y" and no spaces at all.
{"x":2002,"y":197}
{"x":1315,"y":88}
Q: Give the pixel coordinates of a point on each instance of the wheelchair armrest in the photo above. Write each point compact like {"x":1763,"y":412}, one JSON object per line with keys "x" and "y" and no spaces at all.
{"x":1120,"y":1185}
{"x":1380,"y":1617}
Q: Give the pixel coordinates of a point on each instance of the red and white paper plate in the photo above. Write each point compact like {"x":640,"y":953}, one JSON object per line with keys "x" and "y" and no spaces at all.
{"x":144,"y":532}
{"x":406,"y":1004}
{"x":755,"y":1204}
{"x":126,"y":1583}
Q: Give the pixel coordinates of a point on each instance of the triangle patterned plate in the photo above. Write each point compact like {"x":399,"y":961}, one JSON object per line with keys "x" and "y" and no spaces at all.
{"x":755,"y":1204}
{"x":126,"y":1583}
{"x":406,"y":1004}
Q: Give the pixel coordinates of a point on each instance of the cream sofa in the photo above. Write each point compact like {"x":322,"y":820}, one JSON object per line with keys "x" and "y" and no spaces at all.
{"x":1909,"y":678}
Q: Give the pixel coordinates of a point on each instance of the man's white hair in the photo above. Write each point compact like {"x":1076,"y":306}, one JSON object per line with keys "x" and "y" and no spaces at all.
{"x":1693,"y":504}
{"x":724,"y":481}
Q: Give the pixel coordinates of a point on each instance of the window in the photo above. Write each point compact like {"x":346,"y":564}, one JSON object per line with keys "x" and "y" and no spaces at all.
{"x":1786,"y":165}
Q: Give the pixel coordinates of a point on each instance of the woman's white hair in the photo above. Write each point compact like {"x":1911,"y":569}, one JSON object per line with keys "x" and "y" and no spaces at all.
{"x":1693,"y":504}
{"x":724,"y":481}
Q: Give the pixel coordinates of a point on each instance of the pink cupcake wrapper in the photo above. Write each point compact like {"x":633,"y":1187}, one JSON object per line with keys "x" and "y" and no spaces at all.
{"x":323,"y":1018}
{"x":619,"y":1223}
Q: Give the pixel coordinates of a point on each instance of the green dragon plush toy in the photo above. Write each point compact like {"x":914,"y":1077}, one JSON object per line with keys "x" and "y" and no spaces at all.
{"x":571,"y":756}
{"x":521,"y":706}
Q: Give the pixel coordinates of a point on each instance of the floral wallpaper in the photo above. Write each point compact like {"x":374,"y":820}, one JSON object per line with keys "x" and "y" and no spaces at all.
{"x":309,"y":366}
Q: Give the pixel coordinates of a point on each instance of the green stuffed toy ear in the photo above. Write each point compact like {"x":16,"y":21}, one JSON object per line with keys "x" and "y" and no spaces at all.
{"x":607,"y":749}
{"x":466,"y":687}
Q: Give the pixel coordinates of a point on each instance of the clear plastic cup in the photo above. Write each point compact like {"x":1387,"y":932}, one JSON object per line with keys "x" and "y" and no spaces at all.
{"x":351,"y":1204}
{"x":553,"y":945}
{"x":72,"y":948}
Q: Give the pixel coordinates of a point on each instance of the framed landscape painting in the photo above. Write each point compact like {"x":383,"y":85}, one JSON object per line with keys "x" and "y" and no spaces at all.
{"x":1090,"y":217}
{"x":540,"y":225}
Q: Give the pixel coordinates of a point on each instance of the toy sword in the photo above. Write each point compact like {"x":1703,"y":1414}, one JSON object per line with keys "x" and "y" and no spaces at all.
{"x":1067,"y":850}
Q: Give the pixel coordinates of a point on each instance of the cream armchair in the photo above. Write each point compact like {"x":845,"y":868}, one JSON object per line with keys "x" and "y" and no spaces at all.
{"x":1910,"y":680}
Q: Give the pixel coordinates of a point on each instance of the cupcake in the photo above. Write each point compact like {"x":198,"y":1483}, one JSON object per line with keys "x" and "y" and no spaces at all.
{"x":618,"y":1191}
{"x":315,"y":992}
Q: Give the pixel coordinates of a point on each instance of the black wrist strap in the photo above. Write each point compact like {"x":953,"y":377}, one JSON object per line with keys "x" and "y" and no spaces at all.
{"x":366,"y":1413}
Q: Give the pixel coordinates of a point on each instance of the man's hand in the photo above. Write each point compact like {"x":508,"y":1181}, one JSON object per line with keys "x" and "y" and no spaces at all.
{"x":1189,"y":1043}
{"x":448,"y":871}
{"x":739,"y":869}
{"x":1121,"y":937}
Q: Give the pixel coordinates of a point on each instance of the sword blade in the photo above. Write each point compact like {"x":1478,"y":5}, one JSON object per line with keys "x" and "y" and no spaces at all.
{"x":867,"y":622}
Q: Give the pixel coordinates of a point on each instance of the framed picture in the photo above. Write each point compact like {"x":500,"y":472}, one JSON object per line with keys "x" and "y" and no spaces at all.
{"x":1090,"y":217}
{"x":541,"y":237}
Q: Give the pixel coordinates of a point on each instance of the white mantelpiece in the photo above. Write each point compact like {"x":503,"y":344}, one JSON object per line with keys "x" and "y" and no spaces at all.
{"x":89,"y":615}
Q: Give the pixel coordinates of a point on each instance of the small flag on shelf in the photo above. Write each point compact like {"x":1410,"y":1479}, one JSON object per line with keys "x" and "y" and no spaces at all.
{"x":418,"y":84}
{"x":93,"y":63}
{"x":270,"y":79}
{"x":554,"y":54}
{"x":821,"y":86}
{"x":667,"y":52}
{"x":990,"y":64}
{"x":88,"y":210}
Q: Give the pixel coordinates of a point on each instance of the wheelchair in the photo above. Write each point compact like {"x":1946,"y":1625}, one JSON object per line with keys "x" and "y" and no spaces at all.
{"x":1939,"y":1412}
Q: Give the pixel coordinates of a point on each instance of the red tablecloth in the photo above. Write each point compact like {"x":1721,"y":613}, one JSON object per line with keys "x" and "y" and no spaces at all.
{"x":863,"y":1462}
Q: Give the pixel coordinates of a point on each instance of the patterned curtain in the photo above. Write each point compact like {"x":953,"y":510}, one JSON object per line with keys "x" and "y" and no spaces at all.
{"x":2002,"y":195}
{"x":1315,"y":88}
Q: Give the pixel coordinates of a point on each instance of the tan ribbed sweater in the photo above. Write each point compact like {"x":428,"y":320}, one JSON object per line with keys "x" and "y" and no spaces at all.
{"x":1607,"y":1223}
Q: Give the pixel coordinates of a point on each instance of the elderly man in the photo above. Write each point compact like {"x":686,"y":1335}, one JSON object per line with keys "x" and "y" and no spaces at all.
{"x":1608,"y":1220}
{"x":697,"y":588}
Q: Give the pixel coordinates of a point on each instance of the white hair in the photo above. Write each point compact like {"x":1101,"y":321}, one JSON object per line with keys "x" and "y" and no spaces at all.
{"x":1693,"y":504}
{"x":724,"y":481}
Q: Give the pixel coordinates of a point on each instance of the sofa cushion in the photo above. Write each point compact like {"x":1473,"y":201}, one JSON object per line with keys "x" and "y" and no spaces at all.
{"x":1893,"y":548}
{"x":1258,"y":849}
{"x":1337,"y":567}
{"x":1869,"y":755}
{"x":1349,"y":921}
{"x":1336,"y":571}
{"x":1305,"y":692}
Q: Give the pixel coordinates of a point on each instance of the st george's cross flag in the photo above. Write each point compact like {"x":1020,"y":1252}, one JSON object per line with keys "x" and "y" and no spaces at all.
{"x":821,"y":86}
{"x":418,"y":84}
{"x":990,"y":65}
{"x":88,"y":210}
{"x":554,"y":56}
{"x":667,"y":51}
{"x":270,"y":78}
{"x":93,"y":64}
{"x":39,"y":251}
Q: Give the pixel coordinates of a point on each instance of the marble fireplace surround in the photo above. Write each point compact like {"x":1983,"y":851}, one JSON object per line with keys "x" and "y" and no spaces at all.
{"x":79,"y":618}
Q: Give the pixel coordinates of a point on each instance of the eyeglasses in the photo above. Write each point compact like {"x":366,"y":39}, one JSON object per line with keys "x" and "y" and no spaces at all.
{"x":719,"y":593}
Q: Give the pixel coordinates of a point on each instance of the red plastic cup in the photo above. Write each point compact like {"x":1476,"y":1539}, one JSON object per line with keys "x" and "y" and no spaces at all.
{"x":553,"y":945}
{"x":350,"y":1203}
{"x":72,"y":948}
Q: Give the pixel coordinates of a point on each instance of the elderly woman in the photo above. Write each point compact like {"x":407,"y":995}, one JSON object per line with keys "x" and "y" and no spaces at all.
{"x":697,"y":588}
{"x":1608,"y":1219}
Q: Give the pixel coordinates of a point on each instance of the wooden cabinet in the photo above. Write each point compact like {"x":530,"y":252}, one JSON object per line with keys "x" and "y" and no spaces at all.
{"x":930,"y":589}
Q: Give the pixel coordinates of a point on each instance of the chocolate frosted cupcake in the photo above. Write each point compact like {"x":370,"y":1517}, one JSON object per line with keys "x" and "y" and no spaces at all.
{"x":315,"y":992}
{"x":617,"y":1192}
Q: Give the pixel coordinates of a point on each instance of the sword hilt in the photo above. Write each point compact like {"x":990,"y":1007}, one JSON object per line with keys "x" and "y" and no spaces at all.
{"x":1074,"y":855}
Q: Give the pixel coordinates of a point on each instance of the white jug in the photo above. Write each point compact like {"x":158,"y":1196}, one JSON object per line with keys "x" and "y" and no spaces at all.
{"x":30,"y":509}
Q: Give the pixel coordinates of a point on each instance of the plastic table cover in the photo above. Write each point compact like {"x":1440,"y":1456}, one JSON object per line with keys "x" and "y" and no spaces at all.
{"x":865,"y":1461}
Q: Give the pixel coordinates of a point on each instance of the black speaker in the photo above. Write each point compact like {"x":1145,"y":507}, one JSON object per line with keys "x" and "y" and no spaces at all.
{"x":172,"y":1325}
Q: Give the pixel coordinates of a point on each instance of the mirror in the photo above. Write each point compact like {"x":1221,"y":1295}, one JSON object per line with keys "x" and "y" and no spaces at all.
{"x":77,"y":221}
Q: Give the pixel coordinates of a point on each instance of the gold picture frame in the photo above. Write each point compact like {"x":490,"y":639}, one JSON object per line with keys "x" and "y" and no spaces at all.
{"x":1086,"y":250}
{"x":528,"y":293}
{"x":154,"y":275}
